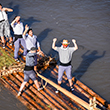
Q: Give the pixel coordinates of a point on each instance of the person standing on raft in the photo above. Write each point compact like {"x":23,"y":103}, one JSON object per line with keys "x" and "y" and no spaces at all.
{"x":65,"y":56}
{"x":31,"y":40}
{"x":29,"y":70}
{"x":18,"y":28}
{"x":4,"y":25}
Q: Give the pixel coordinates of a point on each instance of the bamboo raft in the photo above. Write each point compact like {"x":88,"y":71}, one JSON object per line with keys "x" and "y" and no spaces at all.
{"x":12,"y":78}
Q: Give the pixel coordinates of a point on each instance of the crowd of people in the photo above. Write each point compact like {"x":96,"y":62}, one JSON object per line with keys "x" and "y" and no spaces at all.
{"x":26,"y":38}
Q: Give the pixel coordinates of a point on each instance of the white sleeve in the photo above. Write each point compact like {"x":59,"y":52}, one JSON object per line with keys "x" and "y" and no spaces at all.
{"x":12,"y":25}
{"x":25,"y":36}
{"x":38,"y":44}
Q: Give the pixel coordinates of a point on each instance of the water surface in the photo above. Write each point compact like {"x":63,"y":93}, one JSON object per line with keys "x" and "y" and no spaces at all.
{"x":87,"y":21}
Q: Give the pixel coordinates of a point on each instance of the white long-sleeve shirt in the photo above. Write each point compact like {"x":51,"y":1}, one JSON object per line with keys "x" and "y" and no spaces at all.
{"x":18,"y":28}
{"x":31,"y":41}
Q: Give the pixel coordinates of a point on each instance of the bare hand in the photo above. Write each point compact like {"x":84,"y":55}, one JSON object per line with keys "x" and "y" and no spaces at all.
{"x":26,"y":27}
{"x":55,"y":39}
{"x":17,"y":18}
{"x":73,"y":40}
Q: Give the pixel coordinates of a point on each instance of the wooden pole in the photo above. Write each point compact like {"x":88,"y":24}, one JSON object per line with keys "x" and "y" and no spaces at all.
{"x":77,"y":99}
{"x":100,"y":100}
{"x":42,"y":97}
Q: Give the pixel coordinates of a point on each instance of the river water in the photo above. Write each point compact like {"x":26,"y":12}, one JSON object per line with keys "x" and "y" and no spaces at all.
{"x":87,"y":21}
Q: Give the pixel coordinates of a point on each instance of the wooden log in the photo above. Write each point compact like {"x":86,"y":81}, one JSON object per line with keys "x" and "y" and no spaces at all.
{"x":33,"y":88}
{"x":92,"y":93}
{"x":10,"y":85}
{"x":54,"y":73}
{"x":100,"y":100}
{"x":58,"y":99}
{"x":66,"y":99}
{"x":96,"y":97}
{"x":24,"y":94}
{"x":53,"y":101}
{"x":77,"y":99}
{"x":88,"y":95}
{"x":38,"y":101}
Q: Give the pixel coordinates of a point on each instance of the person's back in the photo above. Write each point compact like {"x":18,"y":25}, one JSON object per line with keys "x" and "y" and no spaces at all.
{"x":29,"y":70}
{"x":31,"y":59}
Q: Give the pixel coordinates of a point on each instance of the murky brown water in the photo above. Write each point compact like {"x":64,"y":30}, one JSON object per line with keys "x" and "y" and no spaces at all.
{"x":88,"y":21}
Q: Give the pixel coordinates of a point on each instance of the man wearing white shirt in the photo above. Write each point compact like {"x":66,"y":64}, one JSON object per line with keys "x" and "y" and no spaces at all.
{"x":4,"y":24}
{"x":31,"y":40}
{"x":18,"y":28}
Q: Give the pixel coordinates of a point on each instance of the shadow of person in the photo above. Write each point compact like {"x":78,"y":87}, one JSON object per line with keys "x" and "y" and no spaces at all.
{"x":86,"y":62}
{"x":29,"y":21}
{"x":44,"y":34}
{"x":15,"y":10}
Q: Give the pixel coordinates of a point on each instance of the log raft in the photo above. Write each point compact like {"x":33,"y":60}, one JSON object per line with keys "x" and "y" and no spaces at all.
{"x":46,"y":99}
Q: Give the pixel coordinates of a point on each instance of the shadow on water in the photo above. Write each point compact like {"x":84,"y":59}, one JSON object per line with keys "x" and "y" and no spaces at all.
{"x":43,"y":35}
{"x":29,"y":21}
{"x":86,"y":62}
{"x":15,"y":10}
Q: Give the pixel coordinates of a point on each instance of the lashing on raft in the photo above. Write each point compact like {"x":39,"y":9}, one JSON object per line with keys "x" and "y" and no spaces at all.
{"x":12,"y":76}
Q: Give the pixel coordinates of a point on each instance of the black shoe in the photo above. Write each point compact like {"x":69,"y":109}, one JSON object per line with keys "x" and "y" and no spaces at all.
{"x":17,"y":60}
{"x":71,"y":89}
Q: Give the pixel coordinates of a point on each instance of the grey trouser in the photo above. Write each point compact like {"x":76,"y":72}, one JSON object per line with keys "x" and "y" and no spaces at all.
{"x":29,"y":74}
{"x":61,"y":70}
{"x":5,"y":29}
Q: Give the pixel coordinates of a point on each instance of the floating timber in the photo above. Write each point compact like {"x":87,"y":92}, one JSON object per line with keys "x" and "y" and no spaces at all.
{"x":12,"y":77}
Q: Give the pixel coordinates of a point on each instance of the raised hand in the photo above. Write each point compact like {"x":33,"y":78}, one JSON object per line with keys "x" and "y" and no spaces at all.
{"x":17,"y":18}
{"x":26,"y":27}
{"x":73,"y":40}
{"x":55,"y":39}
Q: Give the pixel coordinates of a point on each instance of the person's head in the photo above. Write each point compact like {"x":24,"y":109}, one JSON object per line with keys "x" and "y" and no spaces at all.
{"x":33,"y":50}
{"x":17,"y":18}
{"x":65,"y":43}
{"x":0,"y":6}
{"x":30,"y":32}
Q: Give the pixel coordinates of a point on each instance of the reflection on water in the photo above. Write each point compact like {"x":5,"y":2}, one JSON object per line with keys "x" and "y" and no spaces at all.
{"x":85,"y":20}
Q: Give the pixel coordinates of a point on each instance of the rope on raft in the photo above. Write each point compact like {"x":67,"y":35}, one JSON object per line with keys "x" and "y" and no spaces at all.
{"x":44,"y":61}
{"x":12,"y":69}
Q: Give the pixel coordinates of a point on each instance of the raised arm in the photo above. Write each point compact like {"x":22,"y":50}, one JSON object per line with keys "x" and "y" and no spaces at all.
{"x":16,"y":19}
{"x":75,"y":45}
{"x":8,"y":9}
{"x":53,"y":44}
{"x":26,"y":29}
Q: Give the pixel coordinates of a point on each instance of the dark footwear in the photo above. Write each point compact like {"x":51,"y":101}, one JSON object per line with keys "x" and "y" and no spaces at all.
{"x":17,"y":60}
{"x":71,"y":88}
